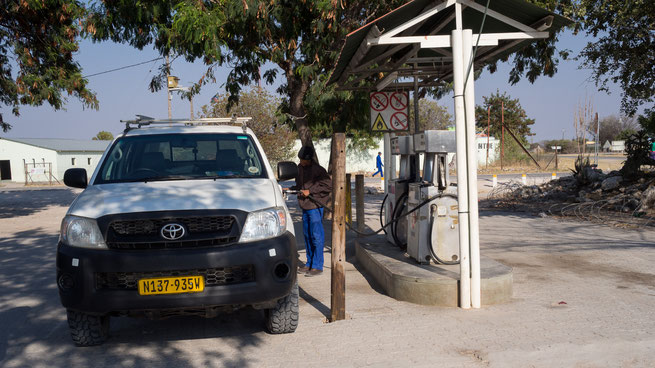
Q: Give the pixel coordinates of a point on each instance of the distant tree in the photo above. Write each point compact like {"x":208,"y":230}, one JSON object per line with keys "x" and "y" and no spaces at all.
{"x":611,"y":126}
{"x":276,"y":137}
{"x":103,"y":136}
{"x":623,"y":47}
{"x":568,"y":146}
{"x":515,"y":117}
{"x":431,"y":115}
{"x":583,"y":119}
{"x":39,"y":39}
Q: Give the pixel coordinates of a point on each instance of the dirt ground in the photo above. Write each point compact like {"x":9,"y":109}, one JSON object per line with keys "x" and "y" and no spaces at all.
{"x":583,"y":297}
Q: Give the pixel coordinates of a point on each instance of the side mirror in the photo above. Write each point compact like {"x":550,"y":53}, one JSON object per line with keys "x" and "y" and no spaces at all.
{"x":286,"y":170}
{"x":76,"y":178}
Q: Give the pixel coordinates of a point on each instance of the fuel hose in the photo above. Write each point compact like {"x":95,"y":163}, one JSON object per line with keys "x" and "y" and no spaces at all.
{"x":393,"y":221}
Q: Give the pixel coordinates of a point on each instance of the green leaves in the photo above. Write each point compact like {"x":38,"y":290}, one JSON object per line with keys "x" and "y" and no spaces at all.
{"x":503,"y":108}
{"x":40,"y":37}
{"x":624,"y":51}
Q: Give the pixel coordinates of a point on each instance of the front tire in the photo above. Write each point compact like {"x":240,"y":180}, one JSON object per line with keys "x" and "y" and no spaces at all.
{"x":87,"y":329}
{"x":283,"y":318}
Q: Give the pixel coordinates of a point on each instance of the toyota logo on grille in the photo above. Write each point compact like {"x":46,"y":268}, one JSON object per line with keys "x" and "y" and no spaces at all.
{"x":172,"y":231}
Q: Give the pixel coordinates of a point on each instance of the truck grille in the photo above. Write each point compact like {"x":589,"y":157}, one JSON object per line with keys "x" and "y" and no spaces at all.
{"x":213,"y":277}
{"x":223,"y":241}
{"x":193,"y":224}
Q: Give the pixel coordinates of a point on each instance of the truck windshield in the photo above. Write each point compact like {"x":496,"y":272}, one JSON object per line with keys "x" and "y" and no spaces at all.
{"x":180,"y":157}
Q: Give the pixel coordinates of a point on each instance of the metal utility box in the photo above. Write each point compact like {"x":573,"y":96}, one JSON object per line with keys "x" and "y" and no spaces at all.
{"x":435,"y":141}
{"x":432,"y":230}
{"x":402,"y":145}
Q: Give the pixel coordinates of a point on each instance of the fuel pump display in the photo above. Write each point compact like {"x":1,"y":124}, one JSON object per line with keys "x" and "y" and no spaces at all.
{"x":432,"y":230}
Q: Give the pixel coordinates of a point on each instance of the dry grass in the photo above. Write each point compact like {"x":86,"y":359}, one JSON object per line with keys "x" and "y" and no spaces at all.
{"x":566,"y":163}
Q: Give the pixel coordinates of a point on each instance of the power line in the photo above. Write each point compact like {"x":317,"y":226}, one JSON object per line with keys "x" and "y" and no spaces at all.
{"x":123,"y":67}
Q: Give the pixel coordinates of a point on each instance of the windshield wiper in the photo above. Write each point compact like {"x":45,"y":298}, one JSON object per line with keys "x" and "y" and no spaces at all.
{"x":170,"y":177}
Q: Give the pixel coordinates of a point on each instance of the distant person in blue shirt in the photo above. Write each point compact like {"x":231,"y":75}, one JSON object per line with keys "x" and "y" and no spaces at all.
{"x":378,"y":164}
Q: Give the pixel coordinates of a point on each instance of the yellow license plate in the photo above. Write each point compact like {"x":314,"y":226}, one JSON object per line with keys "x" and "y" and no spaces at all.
{"x":171,"y":285}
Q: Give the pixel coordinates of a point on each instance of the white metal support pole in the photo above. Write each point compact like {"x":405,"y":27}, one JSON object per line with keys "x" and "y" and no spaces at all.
{"x":462,"y":174}
{"x":391,"y":169}
{"x":472,"y":164}
{"x":387,"y":161}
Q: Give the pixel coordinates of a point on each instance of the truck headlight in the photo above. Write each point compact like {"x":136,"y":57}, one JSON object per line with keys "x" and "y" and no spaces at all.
{"x":264,"y":224}
{"x":81,"y":232}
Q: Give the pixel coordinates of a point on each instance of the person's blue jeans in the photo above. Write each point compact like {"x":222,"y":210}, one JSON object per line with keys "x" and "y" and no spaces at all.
{"x":379,"y":172}
{"x":312,"y":226}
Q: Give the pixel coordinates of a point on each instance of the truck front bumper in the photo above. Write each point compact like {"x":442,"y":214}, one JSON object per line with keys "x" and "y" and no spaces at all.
{"x":103,"y":281}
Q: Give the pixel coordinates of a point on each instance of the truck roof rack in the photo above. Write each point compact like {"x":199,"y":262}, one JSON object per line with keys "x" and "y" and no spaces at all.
{"x":142,"y":120}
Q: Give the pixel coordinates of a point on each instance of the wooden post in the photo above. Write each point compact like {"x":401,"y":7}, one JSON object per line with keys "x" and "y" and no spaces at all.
{"x":359,"y":202}
{"x":502,"y":139}
{"x":488,"y":132}
{"x":338,"y":302}
{"x":349,"y":201}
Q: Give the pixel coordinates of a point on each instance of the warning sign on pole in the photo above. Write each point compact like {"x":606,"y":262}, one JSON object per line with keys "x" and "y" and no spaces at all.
{"x":389,"y":111}
{"x":379,"y":125}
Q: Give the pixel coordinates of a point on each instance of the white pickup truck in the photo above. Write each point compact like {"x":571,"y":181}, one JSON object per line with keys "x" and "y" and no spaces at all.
{"x":178,"y":218}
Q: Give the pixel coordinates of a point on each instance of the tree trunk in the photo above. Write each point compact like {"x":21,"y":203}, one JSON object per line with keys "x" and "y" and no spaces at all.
{"x":297,"y":90}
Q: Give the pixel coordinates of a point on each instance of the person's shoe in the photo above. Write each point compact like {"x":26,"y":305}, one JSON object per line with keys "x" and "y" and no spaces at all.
{"x":313,"y":272}
{"x":303,"y":269}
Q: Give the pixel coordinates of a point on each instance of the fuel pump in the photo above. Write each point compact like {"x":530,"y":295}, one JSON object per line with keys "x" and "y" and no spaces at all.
{"x":432,"y":231}
{"x":396,"y":203}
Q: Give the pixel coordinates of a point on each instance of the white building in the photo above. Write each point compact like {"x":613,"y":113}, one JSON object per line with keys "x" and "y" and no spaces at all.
{"x":614,"y":146}
{"x":38,"y":160}
{"x":364,"y":160}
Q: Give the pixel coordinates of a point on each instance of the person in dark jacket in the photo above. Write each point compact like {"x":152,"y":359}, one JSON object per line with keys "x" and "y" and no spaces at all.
{"x":312,"y":181}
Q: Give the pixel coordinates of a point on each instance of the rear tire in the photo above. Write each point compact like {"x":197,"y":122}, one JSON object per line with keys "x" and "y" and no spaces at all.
{"x":283,"y":318}
{"x":87,"y":329}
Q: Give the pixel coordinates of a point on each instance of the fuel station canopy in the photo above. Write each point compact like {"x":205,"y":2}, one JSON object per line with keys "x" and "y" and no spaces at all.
{"x":414,"y":40}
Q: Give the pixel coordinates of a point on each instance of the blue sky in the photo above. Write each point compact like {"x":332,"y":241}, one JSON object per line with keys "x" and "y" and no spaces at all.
{"x":122,"y":94}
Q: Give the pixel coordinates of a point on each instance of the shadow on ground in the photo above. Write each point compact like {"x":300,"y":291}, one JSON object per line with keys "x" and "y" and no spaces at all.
{"x":34,"y":331}
{"x":17,"y":203}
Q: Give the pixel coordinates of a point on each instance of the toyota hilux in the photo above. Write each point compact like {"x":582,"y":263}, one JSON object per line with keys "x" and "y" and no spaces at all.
{"x":179,"y":217}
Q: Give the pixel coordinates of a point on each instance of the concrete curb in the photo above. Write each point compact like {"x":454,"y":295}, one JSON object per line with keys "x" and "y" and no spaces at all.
{"x":403,"y":279}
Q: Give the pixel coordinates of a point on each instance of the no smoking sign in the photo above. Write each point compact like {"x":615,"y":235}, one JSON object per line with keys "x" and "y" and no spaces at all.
{"x":389,"y":111}
{"x":399,"y":121}
{"x":379,"y":101}
{"x":399,"y":101}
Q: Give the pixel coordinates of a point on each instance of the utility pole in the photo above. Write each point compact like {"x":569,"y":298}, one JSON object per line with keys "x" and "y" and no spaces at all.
{"x":597,"y":134}
{"x":168,"y":90}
